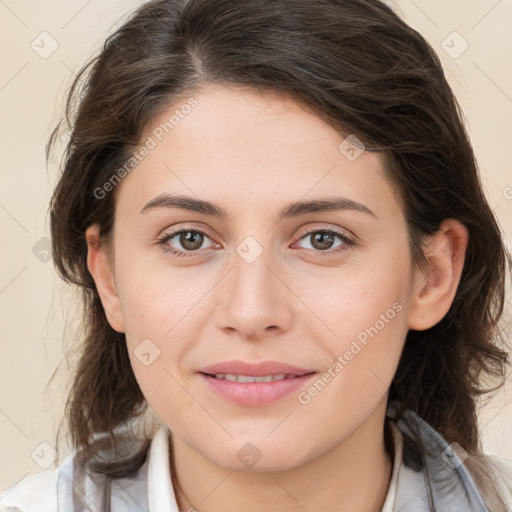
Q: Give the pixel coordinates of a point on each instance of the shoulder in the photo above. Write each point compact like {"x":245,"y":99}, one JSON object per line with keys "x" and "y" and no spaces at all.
{"x":70,"y":486}
{"x":493,"y":477}
{"x":34,"y":493}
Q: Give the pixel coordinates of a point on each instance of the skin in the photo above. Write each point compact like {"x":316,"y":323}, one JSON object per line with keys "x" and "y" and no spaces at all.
{"x":251,"y":153}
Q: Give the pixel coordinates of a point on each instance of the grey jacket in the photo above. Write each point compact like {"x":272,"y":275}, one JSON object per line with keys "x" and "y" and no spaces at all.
{"x":448,"y":485}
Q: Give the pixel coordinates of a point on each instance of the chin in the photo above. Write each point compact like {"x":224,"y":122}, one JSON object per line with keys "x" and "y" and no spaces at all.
{"x":273,"y":464}
{"x":257,"y":456}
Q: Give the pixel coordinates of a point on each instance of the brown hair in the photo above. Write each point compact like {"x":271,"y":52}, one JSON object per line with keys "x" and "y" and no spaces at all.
{"x":365,"y":72}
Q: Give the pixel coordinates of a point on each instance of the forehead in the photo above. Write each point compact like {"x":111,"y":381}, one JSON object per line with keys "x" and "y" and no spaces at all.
{"x":244,"y":147}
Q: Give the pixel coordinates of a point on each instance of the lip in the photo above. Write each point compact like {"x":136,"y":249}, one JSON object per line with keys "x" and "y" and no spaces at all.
{"x":255,"y":393}
{"x":260,"y":369}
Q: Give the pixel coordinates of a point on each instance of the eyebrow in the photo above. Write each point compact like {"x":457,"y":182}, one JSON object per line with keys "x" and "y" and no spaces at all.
{"x":290,"y":210}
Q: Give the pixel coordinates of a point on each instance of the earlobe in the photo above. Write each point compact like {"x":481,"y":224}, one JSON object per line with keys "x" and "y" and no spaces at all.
{"x":101,"y":269}
{"x":435,"y":288}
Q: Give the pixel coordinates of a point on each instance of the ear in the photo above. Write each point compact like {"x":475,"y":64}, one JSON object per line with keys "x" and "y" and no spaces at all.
{"x":100,"y":265}
{"x":435,"y":288}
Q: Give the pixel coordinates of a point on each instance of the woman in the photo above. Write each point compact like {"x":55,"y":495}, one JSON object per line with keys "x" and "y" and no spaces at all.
{"x":288,"y":266}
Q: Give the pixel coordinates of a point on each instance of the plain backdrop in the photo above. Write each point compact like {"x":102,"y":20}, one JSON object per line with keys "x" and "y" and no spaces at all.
{"x":43,"y":45}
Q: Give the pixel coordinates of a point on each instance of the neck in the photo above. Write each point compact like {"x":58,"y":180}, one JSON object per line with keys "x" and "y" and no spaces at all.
{"x":353,"y":476}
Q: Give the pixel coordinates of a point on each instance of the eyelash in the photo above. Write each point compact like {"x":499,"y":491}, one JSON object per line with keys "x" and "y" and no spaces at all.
{"x":348,"y":242}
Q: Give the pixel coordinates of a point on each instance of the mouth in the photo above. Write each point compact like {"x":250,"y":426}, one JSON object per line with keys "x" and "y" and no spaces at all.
{"x":255,"y":390}
{"x":255,"y":378}
{"x":238,"y":368}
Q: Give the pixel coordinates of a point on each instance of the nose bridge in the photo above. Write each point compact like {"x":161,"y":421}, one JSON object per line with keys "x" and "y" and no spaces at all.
{"x":255,"y":299}
{"x":251,"y":275}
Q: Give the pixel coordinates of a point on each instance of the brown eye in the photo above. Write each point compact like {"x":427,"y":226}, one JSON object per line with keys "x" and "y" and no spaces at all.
{"x":321,"y":240}
{"x":191,"y":240}
{"x":184,"y":242}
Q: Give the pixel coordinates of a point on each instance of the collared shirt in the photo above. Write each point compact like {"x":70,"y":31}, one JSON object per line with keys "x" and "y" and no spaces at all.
{"x":416,"y":486}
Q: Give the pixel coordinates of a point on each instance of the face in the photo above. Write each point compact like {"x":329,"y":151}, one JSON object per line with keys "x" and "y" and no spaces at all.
{"x":327,"y":290}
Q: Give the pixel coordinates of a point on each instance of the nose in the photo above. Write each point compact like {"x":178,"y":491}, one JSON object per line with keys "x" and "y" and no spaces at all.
{"x":255,"y":301}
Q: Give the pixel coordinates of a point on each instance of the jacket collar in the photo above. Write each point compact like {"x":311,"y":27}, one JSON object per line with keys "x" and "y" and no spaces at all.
{"x":449,"y":486}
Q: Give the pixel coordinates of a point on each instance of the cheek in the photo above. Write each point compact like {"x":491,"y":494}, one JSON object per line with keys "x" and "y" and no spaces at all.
{"x":156,"y":350}
{"x":350,"y":299}
{"x":160,"y":312}
{"x":370,"y":324}
{"x":159,"y":301}
{"x":364,"y":315}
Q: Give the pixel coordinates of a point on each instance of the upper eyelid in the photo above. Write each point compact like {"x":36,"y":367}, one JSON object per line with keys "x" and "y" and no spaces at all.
{"x":309,"y":230}
{"x":336,"y":230}
{"x":171,"y":233}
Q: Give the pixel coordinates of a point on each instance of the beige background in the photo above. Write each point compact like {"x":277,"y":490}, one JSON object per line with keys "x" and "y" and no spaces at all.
{"x":37,"y":312}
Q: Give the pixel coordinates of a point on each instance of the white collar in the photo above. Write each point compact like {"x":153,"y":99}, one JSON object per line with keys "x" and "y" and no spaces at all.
{"x":389,"y":502}
{"x":161,"y":496}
